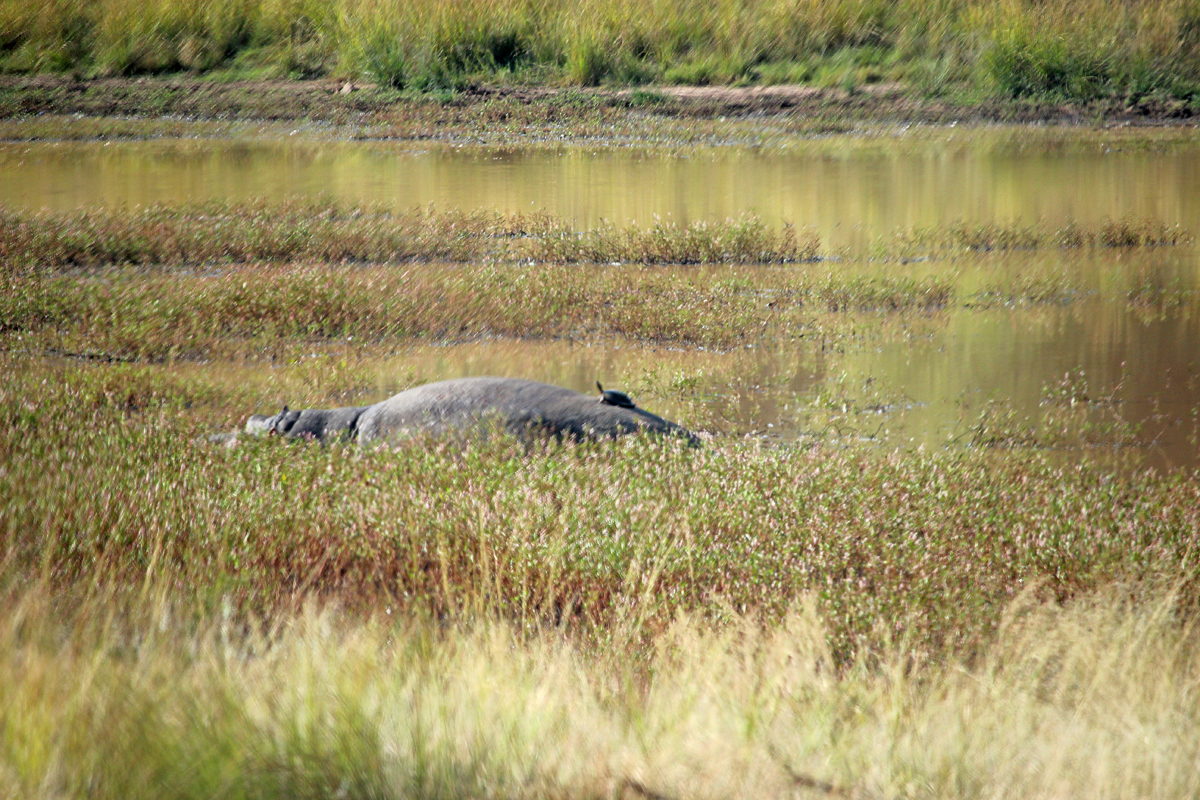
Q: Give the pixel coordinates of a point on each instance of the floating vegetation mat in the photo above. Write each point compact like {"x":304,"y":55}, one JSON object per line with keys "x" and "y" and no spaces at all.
{"x":218,"y":233}
{"x":986,"y":237}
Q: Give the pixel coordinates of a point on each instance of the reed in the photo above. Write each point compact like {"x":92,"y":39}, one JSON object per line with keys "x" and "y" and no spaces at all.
{"x":1094,"y":698}
{"x":1072,"y":49}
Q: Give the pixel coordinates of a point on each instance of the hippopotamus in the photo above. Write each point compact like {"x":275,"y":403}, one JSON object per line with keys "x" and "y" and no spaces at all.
{"x":520,"y":407}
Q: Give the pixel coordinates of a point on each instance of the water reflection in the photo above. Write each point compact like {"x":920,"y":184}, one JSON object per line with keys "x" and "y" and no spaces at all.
{"x":849,"y":190}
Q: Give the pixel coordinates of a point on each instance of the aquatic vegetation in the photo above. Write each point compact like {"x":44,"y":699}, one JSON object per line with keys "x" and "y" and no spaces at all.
{"x":739,"y":241}
{"x":218,"y":233}
{"x":1155,"y":296}
{"x":303,"y":230}
{"x":258,"y":309}
{"x":186,"y":618}
{"x":631,"y":619}
{"x":1017,"y":235}
{"x":201,"y":281}
{"x":53,"y":127}
{"x":107,"y":474}
{"x":993,"y":618}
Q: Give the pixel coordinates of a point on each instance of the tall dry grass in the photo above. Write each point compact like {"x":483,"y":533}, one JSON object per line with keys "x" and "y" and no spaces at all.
{"x":1093,"y":699}
{"x":1076,"y":49}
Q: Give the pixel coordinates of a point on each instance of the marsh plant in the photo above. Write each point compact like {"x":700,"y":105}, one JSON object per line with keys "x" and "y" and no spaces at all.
{"x":1065,"y":49}
{"x":217,"y":233}
{"x":108,"y":473}
{"x":194,"y":282}
{"x":313,"y":230}
{"x":551,"y":620}
{"x":540,"y":619}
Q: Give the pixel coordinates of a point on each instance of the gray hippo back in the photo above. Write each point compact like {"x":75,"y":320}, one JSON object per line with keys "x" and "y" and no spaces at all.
{"x":512,"y":404}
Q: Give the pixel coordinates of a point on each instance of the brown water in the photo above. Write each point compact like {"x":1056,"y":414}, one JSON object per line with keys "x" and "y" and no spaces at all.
{"x":1139,"y":364}
{"x":848,"y":189}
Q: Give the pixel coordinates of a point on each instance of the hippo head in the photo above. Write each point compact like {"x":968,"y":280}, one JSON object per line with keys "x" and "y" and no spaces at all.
{"x":277,"y":425}
{"x":283,"y":422}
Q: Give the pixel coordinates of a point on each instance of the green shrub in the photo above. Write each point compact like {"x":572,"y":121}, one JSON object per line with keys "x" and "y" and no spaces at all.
{"x":1025,"y":63}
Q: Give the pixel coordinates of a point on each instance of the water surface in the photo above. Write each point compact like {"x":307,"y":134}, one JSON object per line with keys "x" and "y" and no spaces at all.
{"x":849,"y":190}
{"x":929,"y":386}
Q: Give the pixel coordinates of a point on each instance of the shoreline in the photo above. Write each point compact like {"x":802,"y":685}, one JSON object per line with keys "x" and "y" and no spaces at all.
{"x":636,"y":114}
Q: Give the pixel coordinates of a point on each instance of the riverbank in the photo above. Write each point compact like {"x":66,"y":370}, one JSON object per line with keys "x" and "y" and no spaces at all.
{"x":1072,"y":50}
{"x":654,"y":115}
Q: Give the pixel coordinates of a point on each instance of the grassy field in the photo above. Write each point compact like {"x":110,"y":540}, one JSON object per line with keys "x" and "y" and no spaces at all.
{"x":1074,"y":50}
{"x":1095,"y":700}
{"x":632,"y":619}
{"x":625,"y":620}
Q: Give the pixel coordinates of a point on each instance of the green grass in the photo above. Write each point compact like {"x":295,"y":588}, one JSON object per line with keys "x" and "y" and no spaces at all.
{"x":105,"y":476}
{"x":196,"y":282}
{"x":998,"y":236}
{"x":259,"y":309}
{"x":1066,"y":49}
{"x":626,"y":619}
{"x":217,"y":233}
{"x":286,"y":619}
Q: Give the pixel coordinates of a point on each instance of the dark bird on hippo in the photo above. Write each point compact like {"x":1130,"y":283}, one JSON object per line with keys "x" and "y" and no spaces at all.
{"x":612,"y":398}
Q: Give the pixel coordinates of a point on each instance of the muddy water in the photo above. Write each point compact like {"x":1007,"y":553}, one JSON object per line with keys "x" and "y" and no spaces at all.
{"x":850,"y":190}
{"x":1126,"y":373}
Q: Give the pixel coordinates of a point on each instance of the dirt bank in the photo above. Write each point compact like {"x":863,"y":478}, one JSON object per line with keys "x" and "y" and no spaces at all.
{"x":788,"y":108}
